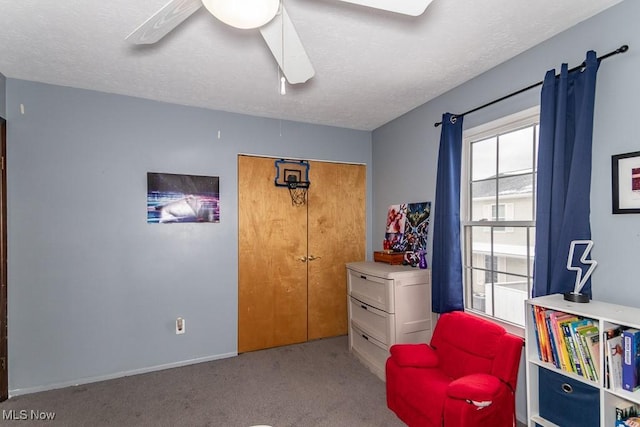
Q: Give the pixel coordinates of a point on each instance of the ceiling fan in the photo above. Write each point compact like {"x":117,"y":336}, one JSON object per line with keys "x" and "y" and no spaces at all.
{"x":269,"y":16}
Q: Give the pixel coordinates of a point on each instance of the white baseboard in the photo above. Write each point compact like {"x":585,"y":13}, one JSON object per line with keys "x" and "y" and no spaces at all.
{"x":88,"y":380}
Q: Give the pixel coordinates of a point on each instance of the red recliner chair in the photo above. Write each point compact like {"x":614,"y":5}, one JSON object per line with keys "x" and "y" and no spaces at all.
{"x":465,"y":377}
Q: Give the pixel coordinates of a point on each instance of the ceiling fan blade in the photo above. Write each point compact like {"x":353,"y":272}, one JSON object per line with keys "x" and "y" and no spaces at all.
{"x":162,"y":22}
{"x":286,"y":47}
{"x":405,"y":7}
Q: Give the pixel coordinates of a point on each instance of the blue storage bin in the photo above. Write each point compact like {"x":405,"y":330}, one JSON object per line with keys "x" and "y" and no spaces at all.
{"x":567,"y":402}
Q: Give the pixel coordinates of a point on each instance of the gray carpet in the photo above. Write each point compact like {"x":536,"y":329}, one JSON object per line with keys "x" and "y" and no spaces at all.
{"x":318,"y":383}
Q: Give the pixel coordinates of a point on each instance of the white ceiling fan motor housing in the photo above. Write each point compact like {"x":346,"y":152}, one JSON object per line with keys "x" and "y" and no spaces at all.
{"x":244,"y":14}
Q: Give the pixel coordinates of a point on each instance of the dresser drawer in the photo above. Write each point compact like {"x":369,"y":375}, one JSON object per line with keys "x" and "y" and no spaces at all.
{"x":372,"y":290}
{"x":370,"y":351}
{"x":375,"y":323}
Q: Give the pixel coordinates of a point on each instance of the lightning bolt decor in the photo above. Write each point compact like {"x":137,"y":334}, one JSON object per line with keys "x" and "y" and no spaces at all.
{"x":581,"y":279}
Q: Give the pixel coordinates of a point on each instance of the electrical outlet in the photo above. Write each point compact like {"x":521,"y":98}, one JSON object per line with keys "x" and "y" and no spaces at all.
{"x":180,"y":325}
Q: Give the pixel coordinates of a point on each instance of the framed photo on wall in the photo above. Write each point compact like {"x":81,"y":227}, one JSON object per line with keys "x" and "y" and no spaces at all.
{"x":625,"y":182}
{"x":173,"y":198}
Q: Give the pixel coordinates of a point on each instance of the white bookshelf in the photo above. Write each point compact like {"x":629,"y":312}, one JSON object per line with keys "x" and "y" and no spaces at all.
{"x":606,"y":316}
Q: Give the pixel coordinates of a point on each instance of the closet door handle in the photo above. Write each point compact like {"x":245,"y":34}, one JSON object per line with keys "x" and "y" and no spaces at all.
{"x":302,"y":259}
{"x":313,"y":258}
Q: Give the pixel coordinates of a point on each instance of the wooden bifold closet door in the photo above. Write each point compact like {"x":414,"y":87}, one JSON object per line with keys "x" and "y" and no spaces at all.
{"x":291,"y":266}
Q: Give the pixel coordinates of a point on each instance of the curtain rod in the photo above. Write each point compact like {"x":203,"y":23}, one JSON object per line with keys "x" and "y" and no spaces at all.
{"x":621,"y":49}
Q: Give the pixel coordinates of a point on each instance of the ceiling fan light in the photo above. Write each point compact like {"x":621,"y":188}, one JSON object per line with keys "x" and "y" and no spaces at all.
{"x":244,"y":14}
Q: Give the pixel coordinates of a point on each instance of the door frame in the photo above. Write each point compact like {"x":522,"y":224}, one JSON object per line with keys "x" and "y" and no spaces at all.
{"x":4,"y":371}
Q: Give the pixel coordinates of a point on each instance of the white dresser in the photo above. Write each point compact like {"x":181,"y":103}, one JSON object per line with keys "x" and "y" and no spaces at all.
{"x":388,"y":304}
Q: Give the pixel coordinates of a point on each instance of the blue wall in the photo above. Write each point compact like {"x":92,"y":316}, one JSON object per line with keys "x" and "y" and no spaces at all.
{"x":410,"y":143}
{"x":94,"y":290}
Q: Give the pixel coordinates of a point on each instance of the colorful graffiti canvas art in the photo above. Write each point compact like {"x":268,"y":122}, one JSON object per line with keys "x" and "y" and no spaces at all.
{"x":407,"y":227}
{"x":173,"y":198}
{"x":396,"y":218}
{"x":416,"y":228}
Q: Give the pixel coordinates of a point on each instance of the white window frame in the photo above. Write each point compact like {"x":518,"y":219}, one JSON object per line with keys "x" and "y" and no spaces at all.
{"x":505,"y":124}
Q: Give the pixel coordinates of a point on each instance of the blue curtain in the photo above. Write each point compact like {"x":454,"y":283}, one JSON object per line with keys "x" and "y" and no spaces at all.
{"x":564,"y":174}
{"x":446,"y":266}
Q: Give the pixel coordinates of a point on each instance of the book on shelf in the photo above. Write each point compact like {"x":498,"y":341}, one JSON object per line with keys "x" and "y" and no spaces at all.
{"x":549,"y":342}
{"x":543,"y":334}
{"x":593,"y":345}
{"x":580,"y":351}
{"x":614,"y":362}
{"x":555,"y":318}
{"x":581,"y":333}
{"x":563,"y":323}
{"x":569,"y":342}
{"x":607,"y":347}
{"x":555,"y":358}
{"x":630,"y":359}
{"x":573,"y":349}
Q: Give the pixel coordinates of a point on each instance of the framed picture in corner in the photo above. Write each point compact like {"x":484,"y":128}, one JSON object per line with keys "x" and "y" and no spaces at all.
{"x":625,"y":182}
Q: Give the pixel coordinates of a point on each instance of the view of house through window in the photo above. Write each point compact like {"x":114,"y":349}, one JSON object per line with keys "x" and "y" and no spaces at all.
{"x":498,"y":199}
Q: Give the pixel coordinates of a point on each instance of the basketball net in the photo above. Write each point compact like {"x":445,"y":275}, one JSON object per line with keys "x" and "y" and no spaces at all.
{"x":298,"y":194}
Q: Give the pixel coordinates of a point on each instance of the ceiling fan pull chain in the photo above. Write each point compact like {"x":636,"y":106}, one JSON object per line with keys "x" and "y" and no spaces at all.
{"x":283,"y":80}
{"x":283,"y":89}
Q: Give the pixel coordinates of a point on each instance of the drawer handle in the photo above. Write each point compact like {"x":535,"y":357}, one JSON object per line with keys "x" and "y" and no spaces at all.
{"x":567,"y":388}
{"x":364,"y":306}
{"x":365,"y":337}
{"x":363,"y":277}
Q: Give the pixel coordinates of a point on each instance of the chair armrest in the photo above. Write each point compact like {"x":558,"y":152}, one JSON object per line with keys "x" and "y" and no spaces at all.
{"x":414,"y":355}
{"x":480,"y":389}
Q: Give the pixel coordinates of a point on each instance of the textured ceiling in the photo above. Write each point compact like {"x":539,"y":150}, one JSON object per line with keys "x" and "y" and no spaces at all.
{"x":371,"y":66}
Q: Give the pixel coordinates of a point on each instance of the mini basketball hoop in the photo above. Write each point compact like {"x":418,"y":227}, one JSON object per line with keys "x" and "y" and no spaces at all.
{"x":294,"y":175}
{"x":297,"y":190}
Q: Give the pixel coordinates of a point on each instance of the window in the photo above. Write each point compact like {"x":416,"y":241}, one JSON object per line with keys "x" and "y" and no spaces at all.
{"x":497,"y":212}
{"x":491,"y":269}
{"x":501,"y":212}
{"x":498,"y":199}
